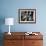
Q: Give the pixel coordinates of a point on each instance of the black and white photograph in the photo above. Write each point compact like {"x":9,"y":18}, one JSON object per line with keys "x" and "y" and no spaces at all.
{"x":27,"y":15}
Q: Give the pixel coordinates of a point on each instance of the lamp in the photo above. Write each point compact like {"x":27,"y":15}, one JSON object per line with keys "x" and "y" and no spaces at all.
{"x":9,"y":21}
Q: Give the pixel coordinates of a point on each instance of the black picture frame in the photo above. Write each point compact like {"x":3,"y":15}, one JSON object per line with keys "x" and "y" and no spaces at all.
{"x":27,"y":15}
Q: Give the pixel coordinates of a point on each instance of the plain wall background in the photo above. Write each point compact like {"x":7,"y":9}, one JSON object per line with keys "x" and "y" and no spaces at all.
{"x":9,"y":8}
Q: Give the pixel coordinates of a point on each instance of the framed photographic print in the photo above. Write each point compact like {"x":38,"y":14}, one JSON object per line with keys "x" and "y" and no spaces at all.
{"x":27,"y":15}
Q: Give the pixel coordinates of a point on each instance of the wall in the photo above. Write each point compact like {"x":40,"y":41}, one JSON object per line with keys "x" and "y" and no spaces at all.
{"x":9,"y":8}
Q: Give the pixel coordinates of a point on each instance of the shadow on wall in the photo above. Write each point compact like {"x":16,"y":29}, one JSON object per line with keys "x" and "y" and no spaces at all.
{"x":2,"y":21}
